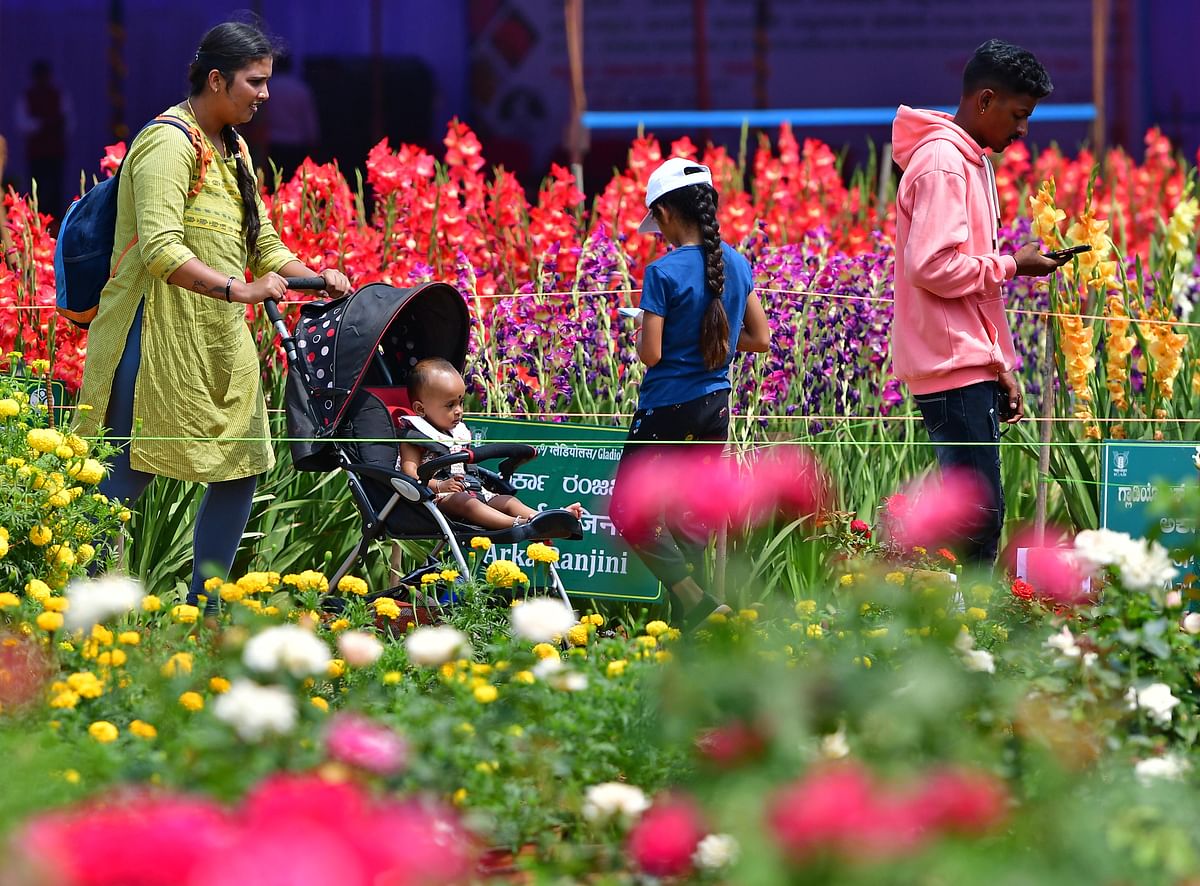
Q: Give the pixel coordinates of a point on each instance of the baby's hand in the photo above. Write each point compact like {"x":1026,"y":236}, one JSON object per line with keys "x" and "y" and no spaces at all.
{"x":453,"y":484}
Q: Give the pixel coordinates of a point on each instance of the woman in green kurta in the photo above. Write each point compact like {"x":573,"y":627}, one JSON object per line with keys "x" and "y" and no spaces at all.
{"x":169,"y":352}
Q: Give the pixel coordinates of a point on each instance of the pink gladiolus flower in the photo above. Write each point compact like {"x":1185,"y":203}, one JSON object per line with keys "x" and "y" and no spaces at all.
{"x":938,"y":510}
{"x":114,"y":155}
{"x":359,"y":742}
{"x":664,"y":839}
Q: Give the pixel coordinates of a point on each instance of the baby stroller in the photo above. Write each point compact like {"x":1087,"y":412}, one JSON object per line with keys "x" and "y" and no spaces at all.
{"x":349,"y":360}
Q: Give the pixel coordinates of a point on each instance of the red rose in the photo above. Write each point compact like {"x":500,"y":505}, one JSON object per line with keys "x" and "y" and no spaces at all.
{"x":861,"y":528}
{"x":663,"y":841}
{"x":1022,"y":589}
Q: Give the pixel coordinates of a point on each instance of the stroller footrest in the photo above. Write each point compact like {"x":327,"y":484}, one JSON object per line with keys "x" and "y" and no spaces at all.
{"x":554,"y":523}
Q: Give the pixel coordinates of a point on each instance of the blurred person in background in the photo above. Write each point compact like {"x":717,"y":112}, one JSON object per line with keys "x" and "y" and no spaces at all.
{"x":45,"y":118}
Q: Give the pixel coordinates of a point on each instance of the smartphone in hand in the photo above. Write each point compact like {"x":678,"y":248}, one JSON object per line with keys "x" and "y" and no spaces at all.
{"x":1060,"y":254}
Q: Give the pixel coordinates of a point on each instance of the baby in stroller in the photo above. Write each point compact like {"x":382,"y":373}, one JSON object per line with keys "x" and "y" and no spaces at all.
{"x":436,"y":391}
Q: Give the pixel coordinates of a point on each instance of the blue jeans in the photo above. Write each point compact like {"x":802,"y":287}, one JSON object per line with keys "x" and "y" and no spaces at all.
{"x":964,"y":425}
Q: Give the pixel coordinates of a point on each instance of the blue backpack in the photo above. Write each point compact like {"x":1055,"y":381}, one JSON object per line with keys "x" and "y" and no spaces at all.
{"x":84,"y":250}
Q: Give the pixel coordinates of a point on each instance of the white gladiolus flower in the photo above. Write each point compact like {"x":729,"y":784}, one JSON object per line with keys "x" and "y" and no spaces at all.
{"x":1064,"y":642}
{"x":359,"y":649}
{"x":287,"y":648}
{"x":541,"y":620}
{"x":1156,"y":700}
{"x":1191,"y":622}
{"x":91,"y":601}
{"x":614,"y":799}
{"x":716,"y":851}
{"x":1169,"y":767}
{"x":254,"y":711}
{"x":430,"y":647}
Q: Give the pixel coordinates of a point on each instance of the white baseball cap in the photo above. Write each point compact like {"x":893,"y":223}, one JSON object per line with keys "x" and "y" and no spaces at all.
{"x":670,"y":177}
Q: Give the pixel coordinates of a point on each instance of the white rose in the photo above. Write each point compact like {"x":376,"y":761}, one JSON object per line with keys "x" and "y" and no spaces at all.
{"x":359,"y":648}
{"x":979,"y":660}
{"x":614,"y":799}
{"x":1099,"y":548}
{"x":547,"y":667}
{"x":834,"y":746}
{"x":430,"y":647}
{"x":716,"y":851}
{"x":1191,"y":622}
{"x":1169,"y":767}
{"x":91,"y":601}
{"x":1156,"y":700}
{"x":254,"y":711}
{"x":541,"y":620}
{"x":1064,"y":642}
{"x":287,"y":648}
{"x":1146,"y":565}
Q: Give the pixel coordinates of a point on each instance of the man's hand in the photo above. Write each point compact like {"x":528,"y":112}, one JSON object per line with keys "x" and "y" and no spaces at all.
{"x":1012,"y":401}
{"x":1031,"y":262}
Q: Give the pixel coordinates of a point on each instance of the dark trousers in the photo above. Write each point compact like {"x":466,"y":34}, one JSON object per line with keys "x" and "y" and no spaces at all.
{"x":225,"y":508}
{"x":964,"y":425}
{"x":673,"y":547}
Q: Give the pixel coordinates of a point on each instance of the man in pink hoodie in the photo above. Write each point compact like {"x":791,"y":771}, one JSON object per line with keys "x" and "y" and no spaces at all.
{"x":951,"y":344}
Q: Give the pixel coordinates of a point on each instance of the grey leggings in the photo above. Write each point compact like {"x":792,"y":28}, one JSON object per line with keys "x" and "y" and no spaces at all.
{"x":225,"y":508}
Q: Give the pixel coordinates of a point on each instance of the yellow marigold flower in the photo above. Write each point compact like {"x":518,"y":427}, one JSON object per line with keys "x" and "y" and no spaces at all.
{"x":352,"y":584}
{"x":319,"y":703}
{"x":459,"y":797}
{"x":44,"y":439}
{"x":232,"y":593}
{"x":218,"y":685}
{"x":85,"y":553}
{"x":430,"y":578}
{"x":539,"y":552}
{"x":976,"y":614}
{"x":129,"y":638}
{"x":616,"y":668}
{"x":876,"y":633}
{"x":748,"y":614}
{"x":846,"y":580}
{"x":335,"y":668}
{"x":487,"y":767}
{"x":485,"y":694}
{"x":391,"y":678}
{"x":545,"y":650}
{"x":103,"y":731}
{"x":9,"y":600}
{"x":717,"y":618}
{"x":142,"y":729}
{"x":646,"y":642}
{"x":89,"y":471}
{"x":578,"y":635}
{"x":814,"y":631}
{"x":192,"y":701}
{"x":864,"y":660}
{"x":55,"y":604}
{"x":662,"y":656}
{"x":339,"y":625}
{"x":308,"y":580}
{"x":65,"y":699}
{"x":657,"y":628}
{"x":151,"y":603}
{"x":113,"y":658}
{"x":178,"y":664}
{"x":124,"y":515}
{"x":79,"y":446}
{"x":184,"y":614}
{"x":523,"y":677}
{"x":86,"y":684}
{"x":465,"y":728}
{"x":40,"y":535}
{"x":49,"y":621}
{"x":598,"y":620}
{"x":895,"y":577}
{"x":503,"y":574}
{"x":9,"y":407}
{"x":449,"y":575}
{"x":806,"y":608}
{"x":387,"y":607}
{"x":252,"y":604}
{"x":480,"y":543}
{"x":71,"y":776}
{"x":61,"y":555}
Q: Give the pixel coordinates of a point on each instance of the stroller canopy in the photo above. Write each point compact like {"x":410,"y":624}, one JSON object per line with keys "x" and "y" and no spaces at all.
{"x":374,"y":337}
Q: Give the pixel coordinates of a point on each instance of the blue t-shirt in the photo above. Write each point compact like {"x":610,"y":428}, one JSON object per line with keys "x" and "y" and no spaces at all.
{"x":674,"y":288}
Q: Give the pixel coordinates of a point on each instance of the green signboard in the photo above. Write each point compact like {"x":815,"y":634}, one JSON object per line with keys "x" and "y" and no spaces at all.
{"x":55,"y":397}
{"x":574,"y":463}
{"x":1133,"y":473}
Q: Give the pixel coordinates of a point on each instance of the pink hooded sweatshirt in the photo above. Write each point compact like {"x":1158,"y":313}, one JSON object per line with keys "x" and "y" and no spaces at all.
{"x":949,"y":328}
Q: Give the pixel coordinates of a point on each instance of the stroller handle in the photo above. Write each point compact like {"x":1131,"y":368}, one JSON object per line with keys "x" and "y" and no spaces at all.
{"x":299,"y":283}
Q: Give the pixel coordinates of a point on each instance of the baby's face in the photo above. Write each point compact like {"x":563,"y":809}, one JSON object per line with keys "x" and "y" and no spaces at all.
{"x":442,"y":401}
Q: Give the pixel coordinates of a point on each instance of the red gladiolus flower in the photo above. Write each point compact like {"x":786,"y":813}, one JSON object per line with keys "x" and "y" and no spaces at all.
{"x":664,"y":839}
{"x":114,"y":155}
{"x":947,"y":555}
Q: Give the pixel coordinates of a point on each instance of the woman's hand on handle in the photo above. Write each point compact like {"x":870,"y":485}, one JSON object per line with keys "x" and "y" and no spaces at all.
{"x":337,"y":284}
{"x":270,"y":285}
